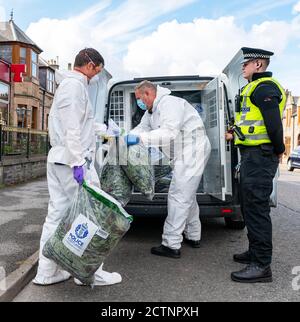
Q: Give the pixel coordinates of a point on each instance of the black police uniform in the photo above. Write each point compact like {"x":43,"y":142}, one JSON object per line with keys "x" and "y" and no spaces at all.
{"x":258,"y":168}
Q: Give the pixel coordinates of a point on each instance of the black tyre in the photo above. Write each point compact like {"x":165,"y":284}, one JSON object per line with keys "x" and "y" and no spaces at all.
{"x":234,"y":224}
{"x":289,"y":166}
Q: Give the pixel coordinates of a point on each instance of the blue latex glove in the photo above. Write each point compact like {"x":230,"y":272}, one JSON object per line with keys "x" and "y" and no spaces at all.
{"x":78,"y":174}
{"x":131,"y":139}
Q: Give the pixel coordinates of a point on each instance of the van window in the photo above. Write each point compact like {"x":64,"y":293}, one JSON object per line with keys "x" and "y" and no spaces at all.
{"x":116,"y":110}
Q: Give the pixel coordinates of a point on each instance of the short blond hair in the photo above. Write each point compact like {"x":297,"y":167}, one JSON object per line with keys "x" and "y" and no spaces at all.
{"x":145,"y":84}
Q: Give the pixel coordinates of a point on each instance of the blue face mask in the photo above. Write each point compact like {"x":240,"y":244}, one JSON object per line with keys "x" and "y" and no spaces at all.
{"x":141,"y":105}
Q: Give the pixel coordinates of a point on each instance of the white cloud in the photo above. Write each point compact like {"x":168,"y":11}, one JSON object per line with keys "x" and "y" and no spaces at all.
{"x":296,"y":8}
{"x":201,"y":47}
{"x":125,"y":37}
{"x":2,"y":17}
{"x":107,"y":29}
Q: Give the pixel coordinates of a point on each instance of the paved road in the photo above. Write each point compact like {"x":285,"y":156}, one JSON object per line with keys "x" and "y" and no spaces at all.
{"x":201,"y":274}
{"x":22,"y":213}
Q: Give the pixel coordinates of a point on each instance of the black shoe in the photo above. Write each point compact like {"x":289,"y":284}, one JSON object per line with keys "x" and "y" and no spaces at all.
{"x":165,"y":251}
{"x":193,"y":243}
{"x":243,"y":258}
{"x":253,"y":274}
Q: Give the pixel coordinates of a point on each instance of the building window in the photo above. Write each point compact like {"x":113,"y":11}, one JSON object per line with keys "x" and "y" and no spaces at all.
{"x":4,"y":92}
{"x":50,"y":81}
{"x":287,"y":145}
{"x":23,"y":52}
{"x":22,"y":115}
{"x":34,"y":119}
{"x":288,"y":117}
{"x":34,"y":64}
{"x":6,"y":53}
{"x":4,"y":100}
{"x":47,"y":122}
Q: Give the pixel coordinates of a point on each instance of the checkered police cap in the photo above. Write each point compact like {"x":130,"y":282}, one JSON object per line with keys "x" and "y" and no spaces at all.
{"x":255,"y":53}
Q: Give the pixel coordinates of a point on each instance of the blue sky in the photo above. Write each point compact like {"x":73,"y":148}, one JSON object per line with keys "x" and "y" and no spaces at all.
{"x":150,"y":37}
{"x":208,"y":9}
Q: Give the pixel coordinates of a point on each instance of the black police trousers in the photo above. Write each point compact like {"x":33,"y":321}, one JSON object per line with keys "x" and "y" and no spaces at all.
{"x":258,"y":168}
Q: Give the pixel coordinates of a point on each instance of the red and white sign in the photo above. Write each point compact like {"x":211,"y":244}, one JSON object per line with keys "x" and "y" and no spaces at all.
{"x":18,"y":70}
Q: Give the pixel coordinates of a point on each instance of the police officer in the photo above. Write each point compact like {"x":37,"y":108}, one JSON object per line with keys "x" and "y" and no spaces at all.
{"x":261,"y":106}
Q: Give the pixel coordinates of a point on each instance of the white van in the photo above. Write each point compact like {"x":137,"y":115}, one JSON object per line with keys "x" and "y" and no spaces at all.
{"x":218,"y":193}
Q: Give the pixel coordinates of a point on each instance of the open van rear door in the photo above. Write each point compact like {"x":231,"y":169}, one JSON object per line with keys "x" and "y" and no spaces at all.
{"x":98,"y":92}
{"x":215,"y":177}
{"x":236,"y":81}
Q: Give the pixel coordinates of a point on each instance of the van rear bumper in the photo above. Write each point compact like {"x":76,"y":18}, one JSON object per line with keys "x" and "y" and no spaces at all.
{"x":206,"y":211}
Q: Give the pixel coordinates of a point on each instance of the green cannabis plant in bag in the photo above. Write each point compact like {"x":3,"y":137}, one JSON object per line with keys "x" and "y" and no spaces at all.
{"x":113,"y":178}
{"x":91,"y":228}
{"x":136,"y":163}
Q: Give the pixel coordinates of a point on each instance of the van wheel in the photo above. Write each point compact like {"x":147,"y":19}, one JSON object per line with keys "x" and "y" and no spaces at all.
{"x":289,"y":166}
{"x":234,"y":224}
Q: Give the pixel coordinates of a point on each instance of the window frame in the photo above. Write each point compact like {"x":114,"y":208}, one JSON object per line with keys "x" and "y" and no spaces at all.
{"x":34,"y":64}
{"x":50,"y":81}
{"x":23,"y":60}
{"x":8,"y":92}
{"x":2,"y":47}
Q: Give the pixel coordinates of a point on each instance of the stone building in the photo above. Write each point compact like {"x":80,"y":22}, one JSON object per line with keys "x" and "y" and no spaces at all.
{"x":291,"y":123}
{"x":32,"y":98}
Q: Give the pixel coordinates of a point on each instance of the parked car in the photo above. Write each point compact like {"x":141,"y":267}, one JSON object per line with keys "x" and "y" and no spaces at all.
{"x":293,"y":161}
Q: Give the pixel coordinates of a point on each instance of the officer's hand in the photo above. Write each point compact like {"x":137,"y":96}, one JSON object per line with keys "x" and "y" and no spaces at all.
{"x":229,"y":136}
{"x":131,"y":139}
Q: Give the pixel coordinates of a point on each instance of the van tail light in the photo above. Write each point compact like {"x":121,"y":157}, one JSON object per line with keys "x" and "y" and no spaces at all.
{"x":226,"y":211}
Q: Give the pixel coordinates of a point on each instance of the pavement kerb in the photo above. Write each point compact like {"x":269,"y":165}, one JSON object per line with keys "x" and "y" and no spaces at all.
{"x":17,"y":280}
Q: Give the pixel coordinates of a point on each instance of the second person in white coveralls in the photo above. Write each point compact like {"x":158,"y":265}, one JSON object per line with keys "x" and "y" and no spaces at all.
{"x":172,"y":121}
{"x":72,"y":137}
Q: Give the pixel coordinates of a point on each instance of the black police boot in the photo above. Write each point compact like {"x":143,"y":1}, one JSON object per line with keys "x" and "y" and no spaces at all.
{"x":243,"y":258}
{"x":253,"y":273}
{"x":165,"y":251}
{"x":192,"y":243}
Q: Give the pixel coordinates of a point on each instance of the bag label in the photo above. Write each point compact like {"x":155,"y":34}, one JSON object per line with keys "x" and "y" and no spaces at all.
{"x":80,"y":235}
{"x":101,"y":233}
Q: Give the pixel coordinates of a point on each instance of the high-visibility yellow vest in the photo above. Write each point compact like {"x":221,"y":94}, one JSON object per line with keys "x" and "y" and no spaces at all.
{"x":250,"y":119}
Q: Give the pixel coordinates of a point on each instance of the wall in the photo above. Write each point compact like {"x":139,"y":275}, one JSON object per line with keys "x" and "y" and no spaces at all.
{"x":20,"y":170}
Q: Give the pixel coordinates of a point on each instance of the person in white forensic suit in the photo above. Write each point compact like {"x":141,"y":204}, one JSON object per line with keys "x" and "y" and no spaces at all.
{"x":71,"y":158}
{"x":174,"y":125}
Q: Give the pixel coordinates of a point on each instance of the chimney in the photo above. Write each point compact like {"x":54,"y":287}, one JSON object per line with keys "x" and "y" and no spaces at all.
{"x":54,"y":64}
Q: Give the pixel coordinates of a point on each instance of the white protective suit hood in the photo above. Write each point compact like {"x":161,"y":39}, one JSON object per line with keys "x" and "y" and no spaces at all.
{"x":161,"y":92}
{"x":61,"y":75}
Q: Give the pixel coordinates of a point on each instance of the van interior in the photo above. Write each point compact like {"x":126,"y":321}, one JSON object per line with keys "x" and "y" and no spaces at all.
{"x":202,"y":94}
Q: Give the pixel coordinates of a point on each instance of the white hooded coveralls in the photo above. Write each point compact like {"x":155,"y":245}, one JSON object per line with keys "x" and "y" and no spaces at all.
{"x":72,"y":137}
{"x":174,"y":122}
